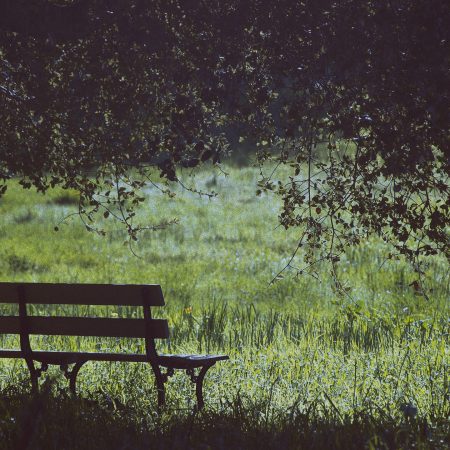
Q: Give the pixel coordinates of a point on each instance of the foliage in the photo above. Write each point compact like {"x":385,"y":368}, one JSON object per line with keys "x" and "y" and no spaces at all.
{"x":373,"y":90}
{"x":353,"y":96}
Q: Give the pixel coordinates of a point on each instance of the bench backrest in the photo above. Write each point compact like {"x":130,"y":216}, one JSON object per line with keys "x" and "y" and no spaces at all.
{"x":144,"y":296}
{"x":82,"y":294}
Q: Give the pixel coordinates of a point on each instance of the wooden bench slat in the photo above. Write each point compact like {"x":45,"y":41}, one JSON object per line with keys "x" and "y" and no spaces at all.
{"x":188,"y":361}
{"x":87,"y":326}
{"x":57,"y":357}
{"x":82,"y":294}
{"x":174,"y":361}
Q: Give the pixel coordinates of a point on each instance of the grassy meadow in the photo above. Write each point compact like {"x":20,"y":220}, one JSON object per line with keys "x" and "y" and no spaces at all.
{"x":308,"y":368}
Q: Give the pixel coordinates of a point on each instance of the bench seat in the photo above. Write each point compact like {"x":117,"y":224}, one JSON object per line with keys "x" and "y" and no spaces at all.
{"x":169,"y":361}
{"x":188,"y":361}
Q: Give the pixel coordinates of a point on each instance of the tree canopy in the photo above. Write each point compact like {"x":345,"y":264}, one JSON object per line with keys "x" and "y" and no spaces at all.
{"x":352,"y":95}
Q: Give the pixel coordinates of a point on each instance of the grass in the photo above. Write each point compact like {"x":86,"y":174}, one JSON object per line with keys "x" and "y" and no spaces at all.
{"x":308,"y":368}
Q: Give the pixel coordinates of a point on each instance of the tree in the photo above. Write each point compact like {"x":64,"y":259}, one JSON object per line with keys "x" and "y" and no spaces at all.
{"x":354,"y":94}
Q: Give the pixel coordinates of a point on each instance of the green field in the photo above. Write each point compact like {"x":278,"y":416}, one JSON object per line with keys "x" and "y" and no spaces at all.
{"x":307,"y":366}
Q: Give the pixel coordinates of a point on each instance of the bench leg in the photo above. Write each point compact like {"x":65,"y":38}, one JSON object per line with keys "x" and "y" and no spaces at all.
{"x":198,"y":380}
{"x":71,"y":375}
{"x":35,"y":373}
{"x":162,"y":378}
{"x":34,"y":382}
{"x":159,"y":381}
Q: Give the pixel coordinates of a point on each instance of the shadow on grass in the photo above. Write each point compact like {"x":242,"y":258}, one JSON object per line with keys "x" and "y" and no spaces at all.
{"x":58,"y":421}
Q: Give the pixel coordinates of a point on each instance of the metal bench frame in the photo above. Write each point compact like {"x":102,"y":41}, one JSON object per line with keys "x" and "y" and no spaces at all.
{"x":70,"y":363}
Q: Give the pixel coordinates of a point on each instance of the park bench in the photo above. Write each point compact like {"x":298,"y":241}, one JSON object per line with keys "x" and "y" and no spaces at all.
{"x":147,"y":328}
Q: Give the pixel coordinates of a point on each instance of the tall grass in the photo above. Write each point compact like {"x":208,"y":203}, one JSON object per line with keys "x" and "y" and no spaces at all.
{"x":371,"y":368}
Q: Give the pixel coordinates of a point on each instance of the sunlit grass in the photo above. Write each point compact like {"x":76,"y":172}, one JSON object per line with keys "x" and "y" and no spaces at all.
{"x":298,"y":350}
